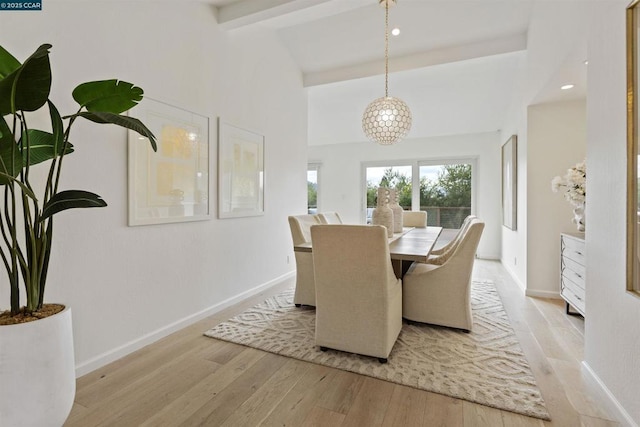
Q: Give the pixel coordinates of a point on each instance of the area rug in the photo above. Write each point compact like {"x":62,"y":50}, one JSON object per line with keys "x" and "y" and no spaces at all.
{"x":486,"y":366}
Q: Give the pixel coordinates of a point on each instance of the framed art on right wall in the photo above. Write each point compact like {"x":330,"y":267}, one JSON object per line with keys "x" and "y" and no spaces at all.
{"x":633,"y":173}
{"x":509,"y":183}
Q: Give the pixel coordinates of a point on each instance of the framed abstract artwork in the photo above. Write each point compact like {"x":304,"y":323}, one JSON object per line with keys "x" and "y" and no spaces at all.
{"x":172,"y":184}
{"x":509,"y":182}
{"x":240,"y":172}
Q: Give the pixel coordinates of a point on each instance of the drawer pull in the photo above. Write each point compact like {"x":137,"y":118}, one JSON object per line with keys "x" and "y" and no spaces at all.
{"x":579,"y":253}
{"x":577,"y":275}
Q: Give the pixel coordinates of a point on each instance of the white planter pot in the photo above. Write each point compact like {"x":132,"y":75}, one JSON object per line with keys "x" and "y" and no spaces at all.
{"x":37,"y":372}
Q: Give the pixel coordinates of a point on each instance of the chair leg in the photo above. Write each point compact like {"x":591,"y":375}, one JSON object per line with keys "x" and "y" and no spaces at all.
{"x":382,"y":359}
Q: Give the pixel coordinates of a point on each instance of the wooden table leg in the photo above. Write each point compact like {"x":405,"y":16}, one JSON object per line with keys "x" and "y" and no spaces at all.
{"x":397,"y":267}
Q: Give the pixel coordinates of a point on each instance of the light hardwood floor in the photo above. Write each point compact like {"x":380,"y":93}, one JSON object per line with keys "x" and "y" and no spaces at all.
{"x":187,"y":379}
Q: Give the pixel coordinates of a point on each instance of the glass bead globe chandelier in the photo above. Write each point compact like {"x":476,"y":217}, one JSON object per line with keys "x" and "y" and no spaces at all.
{"x":386,"y":120}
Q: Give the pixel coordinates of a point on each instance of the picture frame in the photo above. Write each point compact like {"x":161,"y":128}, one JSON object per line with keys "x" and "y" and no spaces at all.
{"x":240,"y":172}
{"x":633,"y":173}
{"x":172,"y":184}
{"x":509,"y":182}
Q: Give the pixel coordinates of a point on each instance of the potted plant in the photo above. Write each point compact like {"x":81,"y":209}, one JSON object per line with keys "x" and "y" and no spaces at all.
{"x":37,"y":369}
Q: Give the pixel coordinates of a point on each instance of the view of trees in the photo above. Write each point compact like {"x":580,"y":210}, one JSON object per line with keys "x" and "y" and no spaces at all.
{"x":312,"y":195}
{"x":447,"y":198}
{"x":451,"y":189}
{"x":391,"y":179}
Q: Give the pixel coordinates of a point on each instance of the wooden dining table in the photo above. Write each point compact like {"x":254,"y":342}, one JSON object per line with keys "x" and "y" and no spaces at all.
{"x":412,"y":244}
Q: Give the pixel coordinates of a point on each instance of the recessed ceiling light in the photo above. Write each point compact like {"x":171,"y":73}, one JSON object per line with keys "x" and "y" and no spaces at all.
{"x":565,"y":87}
{"x":395,"y":31}
{"x":586,"y":62}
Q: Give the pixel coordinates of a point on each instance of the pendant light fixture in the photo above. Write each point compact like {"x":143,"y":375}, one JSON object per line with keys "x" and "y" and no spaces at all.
{"x":386,"y":120}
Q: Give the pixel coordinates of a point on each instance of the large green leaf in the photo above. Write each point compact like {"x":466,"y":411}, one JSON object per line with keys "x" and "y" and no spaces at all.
{"x":123,"y":121}
{"x":27,"y":87}
{"x":8,"y":64}
{"x":57,"y":127}
{"x":71,"y":199}
{"x":42,"y":147}
{"x":109,"y":96}
{"x":10,"y":159}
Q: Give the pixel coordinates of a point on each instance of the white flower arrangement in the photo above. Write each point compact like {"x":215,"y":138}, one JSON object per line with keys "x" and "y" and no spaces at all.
{"x":573,"y":184}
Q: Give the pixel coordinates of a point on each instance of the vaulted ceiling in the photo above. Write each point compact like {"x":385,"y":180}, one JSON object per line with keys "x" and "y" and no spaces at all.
{"x":459,"y":64}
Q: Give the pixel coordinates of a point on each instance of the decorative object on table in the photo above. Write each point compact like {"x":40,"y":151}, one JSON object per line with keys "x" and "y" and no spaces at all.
{"x":397,"y":211}
{"x":171,"y":185}
{"x":382,"y":213}
{"x":509,"y":183}
{"x":36,"y":342}
{"x":386,"y":120}
{"x":486,"y":366}
{"x":573,"y":187}
{"x":240,"y":172}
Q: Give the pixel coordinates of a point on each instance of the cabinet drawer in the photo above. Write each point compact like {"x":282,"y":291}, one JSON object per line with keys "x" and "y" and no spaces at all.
{"x":573,"y":249}
{"x":575,"y":288}
{"x":574,"y":300}
{"x":573,"y":270}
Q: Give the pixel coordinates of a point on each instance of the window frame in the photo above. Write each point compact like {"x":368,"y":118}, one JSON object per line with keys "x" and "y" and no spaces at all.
{"x":315,"y":166}
{"x":415,"y":178}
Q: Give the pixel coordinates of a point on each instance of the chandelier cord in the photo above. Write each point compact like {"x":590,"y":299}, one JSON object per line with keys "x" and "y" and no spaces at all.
{"x":386,"y":49}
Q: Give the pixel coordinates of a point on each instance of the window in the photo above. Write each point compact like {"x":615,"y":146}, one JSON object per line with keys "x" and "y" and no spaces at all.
{"x":445,"y":193}
{"x":398,"y":177}
{"x":312,"y":188}
{"x":441,"y":188}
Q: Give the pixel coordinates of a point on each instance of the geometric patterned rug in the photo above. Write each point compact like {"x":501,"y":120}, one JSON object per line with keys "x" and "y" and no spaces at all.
{"x":486,"y":366}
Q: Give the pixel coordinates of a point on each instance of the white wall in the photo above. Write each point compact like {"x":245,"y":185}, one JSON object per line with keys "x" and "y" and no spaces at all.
{"x":556,"y":135}
{"x":341,"y":183}
{"x":556,"y":34}
{"x":514,"y":242}
{"x":612,"y":335}
{"x":125,"y":283}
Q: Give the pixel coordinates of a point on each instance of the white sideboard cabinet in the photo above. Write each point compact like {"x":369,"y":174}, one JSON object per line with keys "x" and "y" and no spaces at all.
{"x":573,"y":271}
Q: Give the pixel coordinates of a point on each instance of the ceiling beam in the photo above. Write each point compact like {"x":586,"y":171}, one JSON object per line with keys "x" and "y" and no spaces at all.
{"x":497,"y":46}
{"x":247,"y":12}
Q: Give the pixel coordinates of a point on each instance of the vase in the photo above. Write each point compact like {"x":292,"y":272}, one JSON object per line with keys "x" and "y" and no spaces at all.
{"x":579,"y":217}
{"x":38,"y":372}
{"x":382,"y":213}
{"x":397,"y":212}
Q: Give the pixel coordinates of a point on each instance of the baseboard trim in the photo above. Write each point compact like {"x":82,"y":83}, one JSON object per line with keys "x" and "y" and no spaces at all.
{"x":134,"y":345}
{"x":529,"y":292}
{"x":542,"y":294}
{"x":612,"y":403}
{"x":513,"y":275}
{"x":488,"y":257}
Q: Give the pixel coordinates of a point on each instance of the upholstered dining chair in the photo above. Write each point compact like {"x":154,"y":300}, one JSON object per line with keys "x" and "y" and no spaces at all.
{"x":440,"y":255}
{"x":330,"y":218}
{"x":453,"y":242}
{"x":358,"y":297}
{"x":301,"y":233}
{"x":441,"y":294}
{"x":414,"y":219}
